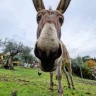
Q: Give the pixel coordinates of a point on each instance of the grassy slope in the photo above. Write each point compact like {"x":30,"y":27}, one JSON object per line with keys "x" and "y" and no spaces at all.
{"x":27,"y":83}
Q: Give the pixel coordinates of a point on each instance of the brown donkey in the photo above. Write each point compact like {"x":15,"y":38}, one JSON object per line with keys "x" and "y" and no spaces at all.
{"x":49,"y":49}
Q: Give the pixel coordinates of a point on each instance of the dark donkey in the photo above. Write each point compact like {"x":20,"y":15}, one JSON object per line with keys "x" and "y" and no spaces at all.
{"x":49,"y":49}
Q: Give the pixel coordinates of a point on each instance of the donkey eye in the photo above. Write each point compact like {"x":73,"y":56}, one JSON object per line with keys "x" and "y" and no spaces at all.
{"x":61,"y":20}
{"x":39,"y":18}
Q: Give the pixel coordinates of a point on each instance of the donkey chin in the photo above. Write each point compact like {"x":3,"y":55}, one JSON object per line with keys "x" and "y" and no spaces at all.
{"x":47,"y":61}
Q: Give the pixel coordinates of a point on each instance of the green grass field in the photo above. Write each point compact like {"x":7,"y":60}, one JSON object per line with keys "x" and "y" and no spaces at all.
{"x":26,"y":82}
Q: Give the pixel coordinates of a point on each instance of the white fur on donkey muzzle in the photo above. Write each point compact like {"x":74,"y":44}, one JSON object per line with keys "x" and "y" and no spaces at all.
{"x":48,"y":47}
{"x":48,"y":39}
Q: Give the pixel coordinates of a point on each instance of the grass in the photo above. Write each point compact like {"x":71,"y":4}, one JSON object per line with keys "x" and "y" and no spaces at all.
{"x":26,"y":82}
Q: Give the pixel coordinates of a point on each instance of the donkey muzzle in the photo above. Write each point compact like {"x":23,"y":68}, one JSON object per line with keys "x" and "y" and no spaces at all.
{"x":47,"y":60}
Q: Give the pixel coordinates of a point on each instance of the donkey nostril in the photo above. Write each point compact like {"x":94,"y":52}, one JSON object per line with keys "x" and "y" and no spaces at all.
{"x":37,"y":52}
{"x":58,"y":52}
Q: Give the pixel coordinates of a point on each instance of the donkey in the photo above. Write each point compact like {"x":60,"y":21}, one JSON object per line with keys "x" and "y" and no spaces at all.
{"x":49,"y":49}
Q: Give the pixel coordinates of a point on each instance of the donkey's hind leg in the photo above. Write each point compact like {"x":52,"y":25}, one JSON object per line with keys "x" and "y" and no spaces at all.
{"x":70,"y":75}
{"x":66,"y":73}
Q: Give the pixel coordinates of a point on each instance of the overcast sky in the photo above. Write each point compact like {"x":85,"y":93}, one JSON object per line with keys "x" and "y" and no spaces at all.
{"x":18,"y":21}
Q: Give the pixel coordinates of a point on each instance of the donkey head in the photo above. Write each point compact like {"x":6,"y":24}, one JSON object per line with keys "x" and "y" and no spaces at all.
{"x":48,"y":47}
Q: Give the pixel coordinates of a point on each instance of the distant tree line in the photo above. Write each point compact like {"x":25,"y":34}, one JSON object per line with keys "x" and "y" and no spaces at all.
{"x":84,"y":67}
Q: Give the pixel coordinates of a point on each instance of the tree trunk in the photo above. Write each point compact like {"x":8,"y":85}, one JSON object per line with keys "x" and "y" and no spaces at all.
{"x":9,"y":63}
{"x":81,"y":72}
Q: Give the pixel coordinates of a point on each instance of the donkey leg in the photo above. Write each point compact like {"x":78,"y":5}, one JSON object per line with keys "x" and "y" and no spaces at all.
{"x":59,"y":77}
{"x":64,"y":70}
{"x":51,"y":81}
{"x":70,"y":75}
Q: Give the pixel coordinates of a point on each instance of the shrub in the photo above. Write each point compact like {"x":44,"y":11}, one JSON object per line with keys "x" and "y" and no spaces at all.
{"x":87,"y":73}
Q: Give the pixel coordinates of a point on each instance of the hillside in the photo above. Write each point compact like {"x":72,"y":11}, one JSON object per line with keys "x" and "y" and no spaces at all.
{"x":26,"y":82}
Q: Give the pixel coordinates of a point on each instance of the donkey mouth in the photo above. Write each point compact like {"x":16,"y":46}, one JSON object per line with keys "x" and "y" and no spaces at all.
{"x":47,"y":66}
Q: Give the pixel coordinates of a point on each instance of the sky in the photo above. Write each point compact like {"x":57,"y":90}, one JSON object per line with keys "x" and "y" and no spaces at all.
{"x":18,"y":21}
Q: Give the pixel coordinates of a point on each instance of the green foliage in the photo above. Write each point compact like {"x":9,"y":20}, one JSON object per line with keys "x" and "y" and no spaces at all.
{"x":81,"y":69}
{"x":26,"y":82}
{"x":85,"y":58}
{"x":16,"y":58}
{"x":87,"y":68}
{"x":87,"y":73}
{"x":10,"y":45}
{"x":74,"y":62}
{"x":77,"y":62}
{"x":26,"y":54}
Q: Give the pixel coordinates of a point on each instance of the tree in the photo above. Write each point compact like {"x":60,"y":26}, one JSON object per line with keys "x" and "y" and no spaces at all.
{"x":30,"y":59}
{"x":85,"y":58}
{"x":92,"y":66}
{"x":87,"y":73}
{"x":11,"y":47}
{"x":80,"y":64}
{"x":77,"y":64}
{"x":74,"y":66}
{"x":91,"y":63}
{"x":26,"y":54}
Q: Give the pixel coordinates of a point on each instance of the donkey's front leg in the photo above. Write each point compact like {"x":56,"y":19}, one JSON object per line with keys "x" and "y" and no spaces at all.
{"x":51,"y":81}
{"x":59,"y":77}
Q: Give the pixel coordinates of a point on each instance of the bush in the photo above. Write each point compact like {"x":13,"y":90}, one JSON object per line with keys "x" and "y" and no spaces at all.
{"x":87,"y":73}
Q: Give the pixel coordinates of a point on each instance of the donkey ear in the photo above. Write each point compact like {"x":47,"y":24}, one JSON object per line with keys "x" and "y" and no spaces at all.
{"x":63,"y":5}
{"x":39,"y":5}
